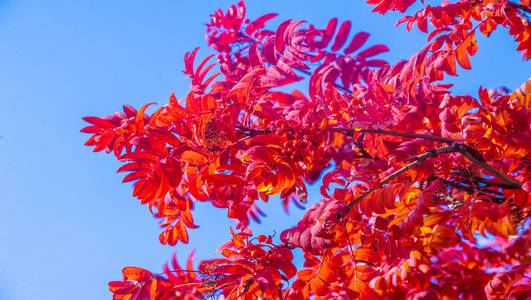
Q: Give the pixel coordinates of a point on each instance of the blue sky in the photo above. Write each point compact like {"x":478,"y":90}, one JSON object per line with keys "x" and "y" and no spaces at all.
{"x":67,"y":224}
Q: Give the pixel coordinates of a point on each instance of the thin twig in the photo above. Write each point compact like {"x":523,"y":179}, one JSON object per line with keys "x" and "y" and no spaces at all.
{"x":472,"y":189}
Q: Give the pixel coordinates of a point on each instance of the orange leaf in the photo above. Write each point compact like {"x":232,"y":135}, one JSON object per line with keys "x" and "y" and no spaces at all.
{"x":450,"y":65}
{"x":153,"y":289}
{"x":194,"y":158}
{"x":134,"y":273}
{"x":176,"y":109}
{"x":305,"y":275}
{"x":181,"y":232}
{"x":187,"y":218}
{"x":367,"y":255}
{"x":462,"y":58}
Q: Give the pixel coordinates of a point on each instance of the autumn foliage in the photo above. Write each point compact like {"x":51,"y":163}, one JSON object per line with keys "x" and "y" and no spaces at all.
{"x":410,"y":174}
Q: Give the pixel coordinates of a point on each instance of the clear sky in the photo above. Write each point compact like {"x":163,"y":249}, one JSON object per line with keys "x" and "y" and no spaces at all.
{"x":67,"y":224}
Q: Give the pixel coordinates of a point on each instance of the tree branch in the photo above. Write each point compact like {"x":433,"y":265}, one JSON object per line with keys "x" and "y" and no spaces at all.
{"x":359,"y":144}
{"x":419,"y":159}
{"x":394,"y":133}
{"x":351,"y":131}
{"x":474,"y":189}
{"x":519,"y":6}
{"x":496,"y":184}
{"x":470,"y":154}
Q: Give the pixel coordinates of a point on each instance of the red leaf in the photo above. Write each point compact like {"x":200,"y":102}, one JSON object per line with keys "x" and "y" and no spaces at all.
{"x":279,"y":38}
{"x":133,"y":167}
{"x":91,"y":129}
{"x":129,"y":111}
{"x":181,"y":232}
{"x":99,"y":122}
{"x":375,"y":63}
{"x":255,"y":56}
{"x":449,"y":65}
{"x":368,"y":255}
{"x":140,"y":117}
{"x":136,"y":175}
{"x":139,"y":156}
{"x":194,"y":158}
{"x":198,"y":72}
{"x":462,"y":58}
{"x":189,"y":58}
{"x":527,"y":186}
{"x":224,"y":179}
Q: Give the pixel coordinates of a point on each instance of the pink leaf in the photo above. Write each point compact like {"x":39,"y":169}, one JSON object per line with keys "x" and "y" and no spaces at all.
{"x":358,"y":41}
{"x":258,"y":23}
{"x":341,"y":36}
{"x":374,"y":50}
{"x":279,"y":37}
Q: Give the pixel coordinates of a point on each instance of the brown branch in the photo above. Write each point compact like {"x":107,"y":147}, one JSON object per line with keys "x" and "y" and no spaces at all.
{"x":496,"y":184}
{"x":474,"y":189}
{"x":419,"y":159}
{"x":470,"y":154}
{"x":394,"y":133}
{"x":351,"y":131}
{"x":519,"y":6}
{"x":359,"y":144}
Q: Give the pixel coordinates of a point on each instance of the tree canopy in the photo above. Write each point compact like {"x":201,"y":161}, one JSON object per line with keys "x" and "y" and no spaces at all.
{"x":410,"y":174}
